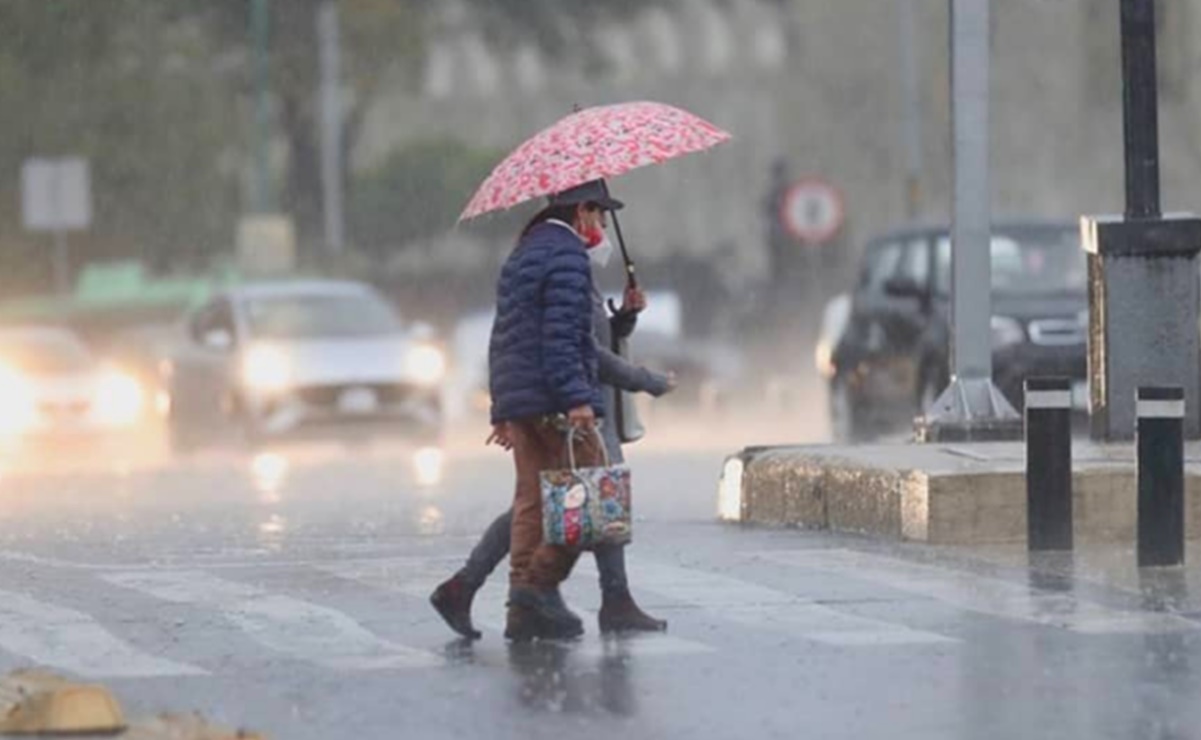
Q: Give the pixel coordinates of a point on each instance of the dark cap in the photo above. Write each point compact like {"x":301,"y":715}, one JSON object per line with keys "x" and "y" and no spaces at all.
{"x":593,"y":191}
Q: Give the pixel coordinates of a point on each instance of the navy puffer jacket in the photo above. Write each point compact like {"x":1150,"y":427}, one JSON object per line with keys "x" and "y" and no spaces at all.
{"x":542,"y":359}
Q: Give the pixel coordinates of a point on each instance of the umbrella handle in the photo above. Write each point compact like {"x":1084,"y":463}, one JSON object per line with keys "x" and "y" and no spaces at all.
{"x":631,"y":274}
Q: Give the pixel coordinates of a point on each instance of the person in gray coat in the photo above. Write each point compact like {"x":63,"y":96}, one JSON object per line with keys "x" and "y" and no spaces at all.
{"x":619,"y":612}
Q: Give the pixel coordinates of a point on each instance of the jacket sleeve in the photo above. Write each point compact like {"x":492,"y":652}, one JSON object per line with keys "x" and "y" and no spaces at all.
{"x":567,"y":327}
{"x":616,"y":371}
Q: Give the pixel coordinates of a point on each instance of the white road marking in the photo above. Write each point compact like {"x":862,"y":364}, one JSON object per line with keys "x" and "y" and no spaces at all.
{"x":307,"y":631}
{"x":417,"y":577}
{"x":982,"y":594}
{"x":758,"y":606}
{"x":62,"y":638}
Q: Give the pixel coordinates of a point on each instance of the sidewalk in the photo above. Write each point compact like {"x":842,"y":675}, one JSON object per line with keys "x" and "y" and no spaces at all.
{"x":965,"y":493}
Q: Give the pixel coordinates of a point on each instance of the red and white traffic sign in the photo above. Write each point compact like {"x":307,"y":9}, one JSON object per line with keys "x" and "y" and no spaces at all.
{"x":812,"y":211}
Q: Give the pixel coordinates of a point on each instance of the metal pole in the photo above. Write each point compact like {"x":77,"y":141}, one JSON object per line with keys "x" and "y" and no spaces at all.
{"x":1048,"y":464}
{"x":1140,"y":119}
{"x":1160,"y":435}
{"x":259,"y":29}
{"x":61,"y":258}
{"x":331,"y":124}
{"x":972,"y":408}
{"x":911,"y":110}
{"x":971,"y":307}
{"x":62,"y":261}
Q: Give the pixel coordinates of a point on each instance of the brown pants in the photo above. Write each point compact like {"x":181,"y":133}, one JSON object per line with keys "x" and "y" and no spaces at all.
{"x":538,"y":445}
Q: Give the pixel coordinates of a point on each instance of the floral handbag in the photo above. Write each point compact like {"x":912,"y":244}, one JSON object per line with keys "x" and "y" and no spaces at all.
{"x":586,"y":507}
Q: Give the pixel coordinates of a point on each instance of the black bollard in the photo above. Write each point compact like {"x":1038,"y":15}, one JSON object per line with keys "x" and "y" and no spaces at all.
{"x":1049,"y":464}
{"x":1160,"y":436}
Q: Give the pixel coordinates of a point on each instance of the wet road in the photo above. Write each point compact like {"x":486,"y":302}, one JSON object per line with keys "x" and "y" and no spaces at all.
{"x":286,"y":592}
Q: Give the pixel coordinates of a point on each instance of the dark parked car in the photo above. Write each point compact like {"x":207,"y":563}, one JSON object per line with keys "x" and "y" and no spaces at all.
{"x":891,"y":360}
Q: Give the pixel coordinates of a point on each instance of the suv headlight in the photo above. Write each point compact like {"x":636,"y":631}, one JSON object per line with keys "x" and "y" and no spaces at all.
{"x":425,"y":364}
{"x":1006,"y":332}
{"x":266,"y":369}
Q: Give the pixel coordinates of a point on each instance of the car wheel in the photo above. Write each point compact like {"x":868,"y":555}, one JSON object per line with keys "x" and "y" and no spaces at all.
{"x":845,"y":425}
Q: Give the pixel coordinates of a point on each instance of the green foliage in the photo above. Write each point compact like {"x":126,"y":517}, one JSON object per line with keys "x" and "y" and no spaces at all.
{"x":125,"y":86}
{"x":156,"y":94}
{"x":382,"y":40}
{"x":417,"y":192}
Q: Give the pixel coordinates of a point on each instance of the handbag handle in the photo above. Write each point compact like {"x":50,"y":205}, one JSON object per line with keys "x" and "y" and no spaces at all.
{"x":571,"y":438}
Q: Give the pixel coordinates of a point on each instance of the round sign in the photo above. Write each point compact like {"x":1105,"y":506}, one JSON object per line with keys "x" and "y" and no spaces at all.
{"x":812,"y":211}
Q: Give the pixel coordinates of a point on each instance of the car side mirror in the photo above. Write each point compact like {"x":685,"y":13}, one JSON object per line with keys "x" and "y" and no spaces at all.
{"x":218,"y":339}
{"x":903,"y":287}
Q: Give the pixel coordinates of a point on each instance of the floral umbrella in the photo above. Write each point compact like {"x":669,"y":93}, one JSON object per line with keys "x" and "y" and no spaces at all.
{"x":592,"y":144}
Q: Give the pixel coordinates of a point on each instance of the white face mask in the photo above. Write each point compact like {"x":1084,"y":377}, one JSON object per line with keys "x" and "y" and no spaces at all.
{"x":601,"y":253}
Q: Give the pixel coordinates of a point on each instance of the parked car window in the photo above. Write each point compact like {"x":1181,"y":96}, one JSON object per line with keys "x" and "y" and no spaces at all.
{"x":299,"y":316}
{"x":916,"y":263}
{"x":881,"y":265}
{"x":1029,"y":261}
{"x":217,"y":315}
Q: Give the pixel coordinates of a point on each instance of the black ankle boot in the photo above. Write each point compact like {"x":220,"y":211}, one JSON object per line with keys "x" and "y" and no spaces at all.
{"x":537,"y":614}
{"x":619,"y":613}
{"x":453,"y":599}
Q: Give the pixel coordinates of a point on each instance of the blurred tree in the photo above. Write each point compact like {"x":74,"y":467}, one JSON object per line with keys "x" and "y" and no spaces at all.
{"x":418,"y":191}
{"x":383,"y":41}
{"x":154,"y":94}
{"x":380,"y":38}
{"x":132,"y":88}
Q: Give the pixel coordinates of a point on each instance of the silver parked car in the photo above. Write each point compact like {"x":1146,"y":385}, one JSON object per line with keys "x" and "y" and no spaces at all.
{"x":280,"y":358}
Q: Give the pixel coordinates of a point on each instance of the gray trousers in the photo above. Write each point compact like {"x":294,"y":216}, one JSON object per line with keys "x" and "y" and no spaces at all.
{"x":493,"y":547}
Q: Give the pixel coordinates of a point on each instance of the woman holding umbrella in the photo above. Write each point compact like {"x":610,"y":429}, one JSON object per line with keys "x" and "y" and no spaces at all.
{"x":619,"y":612}
{"x":543,"y":367}
{"x":542,"y":358}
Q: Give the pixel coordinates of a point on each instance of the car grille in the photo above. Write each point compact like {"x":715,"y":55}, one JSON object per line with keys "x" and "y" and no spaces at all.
{"x":1056,"y":332}
{"x":327,"y":395}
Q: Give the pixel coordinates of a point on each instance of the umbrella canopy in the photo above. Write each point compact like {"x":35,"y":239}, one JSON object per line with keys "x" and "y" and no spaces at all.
{"x":592,"y":144}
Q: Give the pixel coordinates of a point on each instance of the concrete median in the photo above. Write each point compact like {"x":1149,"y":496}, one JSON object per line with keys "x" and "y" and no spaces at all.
{"x":941,"y":494}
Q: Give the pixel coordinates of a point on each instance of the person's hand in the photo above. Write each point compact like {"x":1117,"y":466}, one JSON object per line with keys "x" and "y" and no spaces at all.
{"x":502,"y":436}
{"x":634,"y":300}
{"x":582,"y":417}
{"x":673,"y":381}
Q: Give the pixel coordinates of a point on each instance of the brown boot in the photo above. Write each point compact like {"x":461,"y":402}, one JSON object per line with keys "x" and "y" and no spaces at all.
{"x":619,"y":613}
{"x":453,"y":600}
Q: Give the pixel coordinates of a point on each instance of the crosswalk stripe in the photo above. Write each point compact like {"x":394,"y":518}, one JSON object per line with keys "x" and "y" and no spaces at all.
{"x":982,"y":594}
{"x":417,"y":577}
{"x":62,"y":638}
{"x":762,"y":607}
{"x":285,"y":624}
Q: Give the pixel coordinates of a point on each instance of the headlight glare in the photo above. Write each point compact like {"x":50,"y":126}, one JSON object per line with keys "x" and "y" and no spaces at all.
{"x":266,"y":369}
{"x":119,"y":400}
{"x":17,"y":408}
{"x":425,"y":364}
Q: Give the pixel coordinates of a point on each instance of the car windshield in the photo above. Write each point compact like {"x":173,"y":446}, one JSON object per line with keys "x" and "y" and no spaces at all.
{"x":44,"y":354}
{"x":1029,"y":261}
{"x":324,"y":315}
